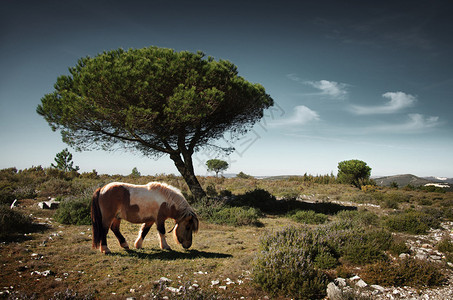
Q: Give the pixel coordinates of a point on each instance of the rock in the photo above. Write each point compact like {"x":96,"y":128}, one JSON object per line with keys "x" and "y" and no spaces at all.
{"x":361,"y":283}
{"x":334,"y":292}
{"x":354,"y":278}
{"x":404,"y":255}
{"x":172,"y":289}
{"x":420,"y":256}
{"x":378,"y":287}
{"x":341,"y":282}
{"x":14,"y":204}
{"x":51,"y":204}
{"x":215,"y":282}
{"x":165,"y":279}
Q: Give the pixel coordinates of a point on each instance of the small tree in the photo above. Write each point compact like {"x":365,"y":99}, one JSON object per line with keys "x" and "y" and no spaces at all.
{"x":135,"y":172}
{"x":242,"y":175}
{"x":354,"y":172}
{"x":64,"y":161}
{"x":216,"y":165}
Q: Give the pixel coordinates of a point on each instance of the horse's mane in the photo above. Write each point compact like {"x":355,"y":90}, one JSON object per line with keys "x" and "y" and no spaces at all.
{"x":173,"y":196}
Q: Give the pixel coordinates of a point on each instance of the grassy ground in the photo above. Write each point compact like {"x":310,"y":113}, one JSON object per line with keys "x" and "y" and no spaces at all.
{"x":218,"y":253}
{"x":218,"y":263}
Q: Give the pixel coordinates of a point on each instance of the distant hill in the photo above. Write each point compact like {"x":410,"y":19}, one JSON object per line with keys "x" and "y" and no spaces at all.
{"x":439,"y":179}
{"x":402,"y":180}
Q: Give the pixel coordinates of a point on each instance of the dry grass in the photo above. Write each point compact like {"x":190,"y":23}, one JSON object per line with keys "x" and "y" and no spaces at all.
{"x":218,"y":253}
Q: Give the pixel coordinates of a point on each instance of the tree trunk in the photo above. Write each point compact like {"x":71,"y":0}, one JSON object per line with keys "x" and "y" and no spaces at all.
{"x":187,"y":172}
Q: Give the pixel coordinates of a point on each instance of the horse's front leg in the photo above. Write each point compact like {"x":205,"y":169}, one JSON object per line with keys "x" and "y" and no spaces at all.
{"x":163,"y":242}
{"x":161,"y":229}
{"x":142,"y":233}
{"x":116,"y":230}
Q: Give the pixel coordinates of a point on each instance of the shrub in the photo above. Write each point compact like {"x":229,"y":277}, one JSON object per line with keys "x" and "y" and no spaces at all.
{"x":356,"y":218}
{"x":398,"y":247}
{"x":6,"y":193}
{"x":215,"y":211}
{"x":413,"y":222}
{"x":237,"y":216}
{"x":55,"y":187}
{"x":257,"y":198}
{"x":361,"y":247}
{"x":285,"y":271}
{"x":445,"y":245}
{"x":74,"y":212}
{"x":405,"y":272}
{"x":308,"y":217}
{"x":285,"y":264}
{"x":13,"y":222}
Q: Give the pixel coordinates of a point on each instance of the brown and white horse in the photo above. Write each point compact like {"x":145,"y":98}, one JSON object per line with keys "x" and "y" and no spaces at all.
{"x":148,"y":204}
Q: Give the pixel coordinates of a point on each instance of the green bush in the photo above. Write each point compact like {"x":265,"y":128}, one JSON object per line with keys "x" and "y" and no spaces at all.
{"x":354,"y":218}
{"x":285,"y":265}
{"x":74,"y":212}
{"x":362,"y":247}
{"x":215,"y":211}
{"x":237,"y":216}
{"x":286,"y":272}
{"x":414,"y":222}
{"x":405,"y":272}
{"x":313,"y":250}
{"x":55,"y":187}
{"x":308,"y":217}
{"x":6,"y":194}
{"x":257,"y":198}
{"x":445,"y":245}
{"x":13,"y":222}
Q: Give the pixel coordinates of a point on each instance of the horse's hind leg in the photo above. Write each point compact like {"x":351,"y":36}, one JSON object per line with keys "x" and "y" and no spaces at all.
{"x":115,"y":226}
{"x":142,"y":233}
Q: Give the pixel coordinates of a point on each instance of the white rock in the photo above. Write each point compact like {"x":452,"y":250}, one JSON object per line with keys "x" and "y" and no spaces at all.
{"x":215,"y":282}
{"x":378,"y":287}
{"x":172,"y":289}
{"x":165,"y":279}
{"x":361,"y":283}
{"x":353,"y":278}
{"x":341,"y":282}
{"x":222,"y":287}
{"x":404,"y":255}
{"x":334,"y":292}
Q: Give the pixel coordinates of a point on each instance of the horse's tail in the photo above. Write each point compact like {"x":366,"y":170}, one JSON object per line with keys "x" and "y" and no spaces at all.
{"x":96,"y":220}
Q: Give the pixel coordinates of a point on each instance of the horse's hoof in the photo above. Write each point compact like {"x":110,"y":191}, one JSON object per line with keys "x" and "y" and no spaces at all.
{"x":105,"y":249}
{"x":125,"y":245}
{"x":138,"y":244}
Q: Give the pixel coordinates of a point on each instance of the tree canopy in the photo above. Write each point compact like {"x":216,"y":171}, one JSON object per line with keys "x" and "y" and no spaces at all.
{"x":216,"y":165}
{"x":354,"y":172}
{"x":64,"y":161}
{"x":155,"y":101}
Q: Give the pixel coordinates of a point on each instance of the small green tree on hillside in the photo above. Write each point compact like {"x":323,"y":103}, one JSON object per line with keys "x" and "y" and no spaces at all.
{"x":216,"y":165}
{"x":354,"y":172}
{"x":64,"y":161}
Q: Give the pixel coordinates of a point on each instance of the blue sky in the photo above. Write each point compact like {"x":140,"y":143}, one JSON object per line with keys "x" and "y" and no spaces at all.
{"x":368,"y":80}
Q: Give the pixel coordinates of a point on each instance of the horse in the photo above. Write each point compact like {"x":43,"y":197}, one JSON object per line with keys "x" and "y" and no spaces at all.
{"x":147,"y":204}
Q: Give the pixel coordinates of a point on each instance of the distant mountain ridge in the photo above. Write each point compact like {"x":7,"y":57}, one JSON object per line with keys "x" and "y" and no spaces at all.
{"x":405,"y":179}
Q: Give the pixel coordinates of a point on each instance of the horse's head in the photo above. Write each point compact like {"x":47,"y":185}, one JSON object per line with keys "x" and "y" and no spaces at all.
{"x":184,"y":229}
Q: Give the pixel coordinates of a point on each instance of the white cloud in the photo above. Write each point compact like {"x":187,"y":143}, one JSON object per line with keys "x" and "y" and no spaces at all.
{"x":397,"y":101}
{"x":414,"y":123}
{"x":301,"y":116}
{"x":327,"y":88}
{"x":330,"y":88}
